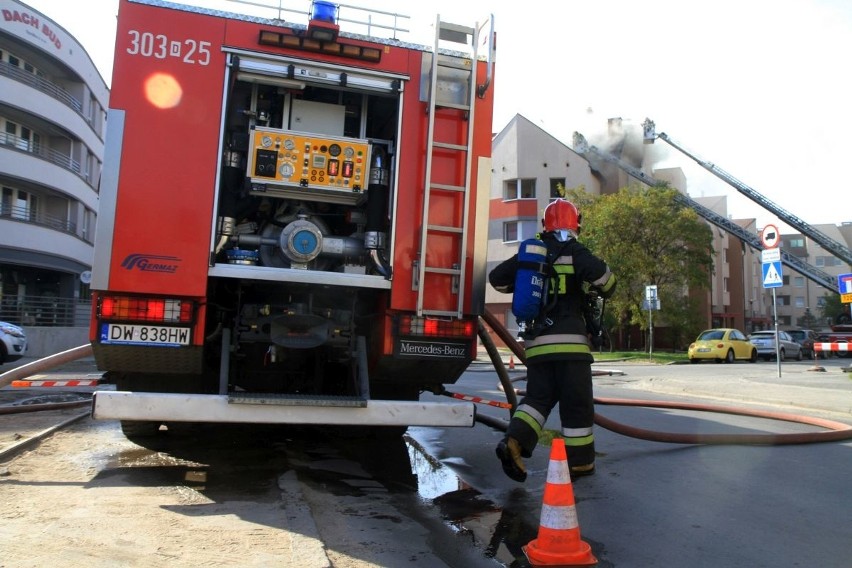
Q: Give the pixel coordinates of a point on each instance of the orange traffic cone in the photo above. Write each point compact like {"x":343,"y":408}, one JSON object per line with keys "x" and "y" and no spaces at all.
{"x":558,"y":542}
{"x":511,"y":362}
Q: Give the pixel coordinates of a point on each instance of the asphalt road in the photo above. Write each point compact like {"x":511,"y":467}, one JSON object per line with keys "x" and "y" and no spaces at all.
{"x":662,"y":504}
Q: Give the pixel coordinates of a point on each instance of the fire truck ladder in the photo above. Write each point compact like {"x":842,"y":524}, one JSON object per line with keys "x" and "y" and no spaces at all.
{"x":805,"y":269}
{"x":461,"y":70}
{"x":829,"y":244}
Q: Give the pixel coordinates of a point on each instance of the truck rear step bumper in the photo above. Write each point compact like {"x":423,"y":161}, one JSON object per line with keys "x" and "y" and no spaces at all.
{"x":169,"y":407}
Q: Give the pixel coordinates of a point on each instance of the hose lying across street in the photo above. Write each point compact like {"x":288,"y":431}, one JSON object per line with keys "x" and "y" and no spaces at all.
{"x":37,"y":366}
{"x":834,"y":431}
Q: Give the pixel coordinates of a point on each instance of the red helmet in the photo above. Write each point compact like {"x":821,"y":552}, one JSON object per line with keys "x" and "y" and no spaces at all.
{"x":562,"y":215}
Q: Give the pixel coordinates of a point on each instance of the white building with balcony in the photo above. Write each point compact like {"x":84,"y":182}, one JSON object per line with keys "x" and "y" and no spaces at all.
{"x":53,"y":106}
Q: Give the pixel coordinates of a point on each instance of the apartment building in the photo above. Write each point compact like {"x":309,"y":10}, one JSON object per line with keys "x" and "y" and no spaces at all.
{"x":528,"y":167}
{"x":529,"y":163}
{"x":53,"y":106}
{"x":799,"y":299}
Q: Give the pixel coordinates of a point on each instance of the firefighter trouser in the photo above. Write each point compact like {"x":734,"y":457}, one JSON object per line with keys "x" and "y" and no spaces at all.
{"x":568,"y":383}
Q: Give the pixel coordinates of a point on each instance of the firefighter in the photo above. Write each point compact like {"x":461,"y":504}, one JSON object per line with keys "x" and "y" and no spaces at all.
{"x":558,"y":356}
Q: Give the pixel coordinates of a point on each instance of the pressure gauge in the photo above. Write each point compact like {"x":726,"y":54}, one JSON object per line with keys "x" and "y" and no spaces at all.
{"x":334,"y":150}
{"x":266,"y":141}
{"x":286,"y":170}
{"x":349,"y":152}
{"x":289,"y":144}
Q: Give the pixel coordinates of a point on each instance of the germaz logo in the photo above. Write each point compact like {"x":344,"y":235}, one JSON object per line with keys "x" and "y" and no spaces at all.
{"x":151,"y":263}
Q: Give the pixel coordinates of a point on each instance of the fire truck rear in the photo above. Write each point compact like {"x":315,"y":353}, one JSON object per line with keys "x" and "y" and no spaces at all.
{"x":293,"y":218}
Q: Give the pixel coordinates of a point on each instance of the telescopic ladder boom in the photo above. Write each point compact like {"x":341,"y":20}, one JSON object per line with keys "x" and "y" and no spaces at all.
{"x":809,"y":271}
{"x":837,"y":249}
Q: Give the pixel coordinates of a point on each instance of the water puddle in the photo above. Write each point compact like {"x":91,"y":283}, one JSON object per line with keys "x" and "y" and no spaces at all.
{"x":498,"y":532}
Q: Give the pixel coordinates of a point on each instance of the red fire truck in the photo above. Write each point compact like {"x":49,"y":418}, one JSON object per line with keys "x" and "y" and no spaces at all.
{"x":293,"y":218}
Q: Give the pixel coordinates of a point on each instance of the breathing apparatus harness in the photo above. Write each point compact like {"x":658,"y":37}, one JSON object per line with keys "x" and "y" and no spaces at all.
{"x":533,"y":299}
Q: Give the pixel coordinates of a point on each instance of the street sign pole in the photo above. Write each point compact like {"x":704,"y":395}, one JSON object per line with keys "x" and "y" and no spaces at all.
{"x":777,"y":339}
{"x":651,"y":328}
{"x":770,"y":237}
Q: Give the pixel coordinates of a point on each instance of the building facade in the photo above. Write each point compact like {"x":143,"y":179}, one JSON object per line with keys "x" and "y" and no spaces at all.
{"x":799,"y":300}
{"x":529,"y":166}
{"x":53,"y":106}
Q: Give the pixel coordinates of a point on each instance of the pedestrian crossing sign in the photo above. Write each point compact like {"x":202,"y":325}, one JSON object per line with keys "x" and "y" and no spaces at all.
{"x":772,"y":275}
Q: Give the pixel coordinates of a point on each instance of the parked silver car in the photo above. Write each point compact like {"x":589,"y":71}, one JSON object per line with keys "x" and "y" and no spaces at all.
{"x":13,"y":342}
{"x":765,"y":343}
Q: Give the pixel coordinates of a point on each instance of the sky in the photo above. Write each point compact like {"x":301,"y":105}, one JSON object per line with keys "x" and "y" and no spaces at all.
{"x":756,"y":87}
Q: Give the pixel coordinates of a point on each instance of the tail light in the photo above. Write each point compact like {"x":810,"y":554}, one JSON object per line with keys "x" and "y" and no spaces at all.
{"x":431,"y":327}
{"x":134,"y":308}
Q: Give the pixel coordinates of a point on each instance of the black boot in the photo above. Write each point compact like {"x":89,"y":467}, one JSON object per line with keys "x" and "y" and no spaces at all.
{"x":509,"y":453}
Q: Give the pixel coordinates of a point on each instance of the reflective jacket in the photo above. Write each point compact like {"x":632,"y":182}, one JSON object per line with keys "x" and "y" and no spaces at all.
{"x":574,"y":265}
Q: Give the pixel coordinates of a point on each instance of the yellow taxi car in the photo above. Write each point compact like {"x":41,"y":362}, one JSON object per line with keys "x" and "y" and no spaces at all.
{"x":722,"y":344}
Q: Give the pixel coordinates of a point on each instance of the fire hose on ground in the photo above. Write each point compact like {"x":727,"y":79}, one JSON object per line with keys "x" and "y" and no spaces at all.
{"x":37,"y":366}
{"x":834,"y":431}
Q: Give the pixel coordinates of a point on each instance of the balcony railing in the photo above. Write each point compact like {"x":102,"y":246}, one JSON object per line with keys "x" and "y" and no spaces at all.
{"x":45,"y":311}
{"x":27,"y":215}
{"x":19,"y":144}
{"x":43,"y":85}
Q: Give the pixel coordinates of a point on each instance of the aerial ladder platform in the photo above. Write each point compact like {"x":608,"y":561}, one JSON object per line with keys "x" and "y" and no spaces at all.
{"x":837,"y":249}
{"x":581,"y":146}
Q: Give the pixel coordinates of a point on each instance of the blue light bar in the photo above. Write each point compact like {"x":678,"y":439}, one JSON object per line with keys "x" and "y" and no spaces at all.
{"x":324,"y":11}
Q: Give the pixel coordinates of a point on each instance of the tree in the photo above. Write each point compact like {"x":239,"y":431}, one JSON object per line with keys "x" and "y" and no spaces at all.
{"x":649,"y":238}
{"x":833,"y":310}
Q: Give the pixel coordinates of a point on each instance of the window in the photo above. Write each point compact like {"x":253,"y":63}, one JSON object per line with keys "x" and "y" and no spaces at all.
{"x":19,"y":204}
{"x":800,"y":301}
{"x":510,"y":232}
{"x":828,"y":261}
{"x":16,"y":61}
{"x":515,"y":231}
{"x":11,"y":132}
{"x":557,"y":187}
{"x":520,"y":189}
{"x":19,"y":136}
{"x":799,"y":281}
{"x":24,"y":141}
{"x":797,"y":242}
{"x":85,"y":228}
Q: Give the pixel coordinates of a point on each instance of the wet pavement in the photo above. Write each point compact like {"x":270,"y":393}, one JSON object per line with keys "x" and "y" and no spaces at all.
{"x":643,"y":508}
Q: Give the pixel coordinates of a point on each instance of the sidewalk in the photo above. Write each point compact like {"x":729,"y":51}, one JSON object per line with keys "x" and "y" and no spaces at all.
{"x":799,"y":389}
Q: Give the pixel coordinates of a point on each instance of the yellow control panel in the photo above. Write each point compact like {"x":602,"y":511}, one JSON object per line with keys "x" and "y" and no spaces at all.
{"x":284,"y":163}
